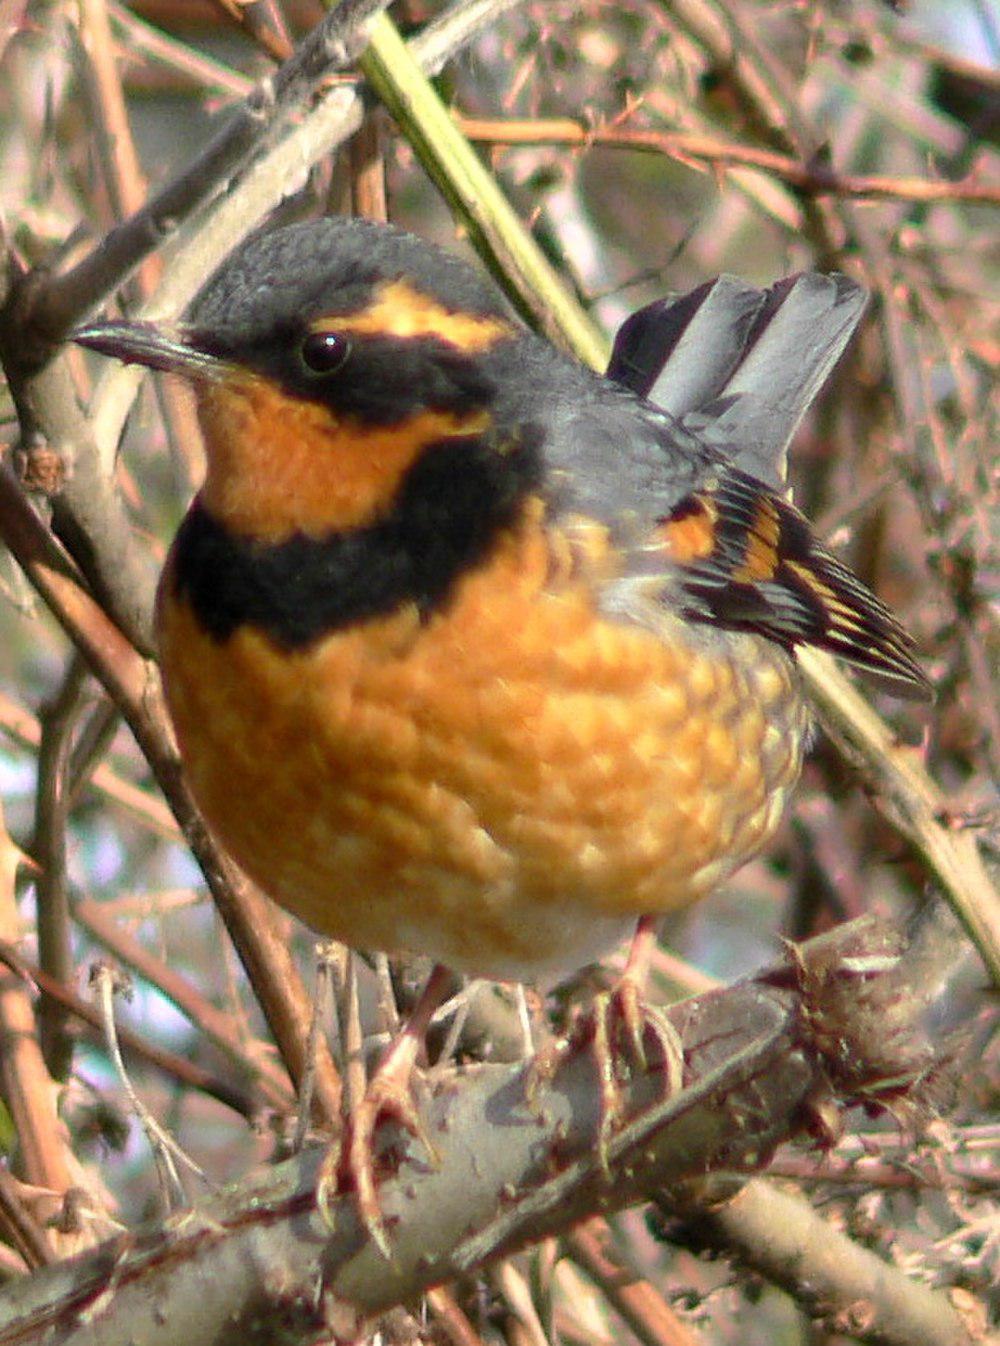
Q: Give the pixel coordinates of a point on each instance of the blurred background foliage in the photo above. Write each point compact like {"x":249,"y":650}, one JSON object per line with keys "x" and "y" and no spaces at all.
{"x":841,"y":136}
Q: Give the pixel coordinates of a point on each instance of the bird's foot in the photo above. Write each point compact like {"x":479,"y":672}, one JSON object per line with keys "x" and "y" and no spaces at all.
{"x":388,"y":1094}
{"x":627,"y":1037}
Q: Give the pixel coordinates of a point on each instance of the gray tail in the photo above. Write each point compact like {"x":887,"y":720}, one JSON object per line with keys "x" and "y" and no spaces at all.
{"x":737,"y":365}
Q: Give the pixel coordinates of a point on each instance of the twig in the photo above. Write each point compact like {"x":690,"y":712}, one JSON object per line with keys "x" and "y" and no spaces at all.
{"x":151,"y":811}
{"x":844,"y":1286}
{"x":195,"y":67}
{"x":813,"y":178}
{"x":19,"y":1229}
{"x":48,"y":848}
{"x":642,"y":1306}
{"x":453,"y":1323}
{"x":327,"y":954}
{"x":216,"y":1025}
{"x":123,"y":177}
{"x":108,"y":984}
{"x":60,"y":301}
{"x":368,"y":194}
{"x":514,"y":1291}
{"x":910,"y":799}
{"x":263,"y":21}
{"x":177,"y":1067}
{"x":25,"y":1083}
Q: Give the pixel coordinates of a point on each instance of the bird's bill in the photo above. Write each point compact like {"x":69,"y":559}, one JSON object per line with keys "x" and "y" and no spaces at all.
{"x":169,"y":349}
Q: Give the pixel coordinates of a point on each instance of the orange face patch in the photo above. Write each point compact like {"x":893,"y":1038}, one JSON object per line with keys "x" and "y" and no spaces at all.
{"x":278,"y":465}
{"x":399,"y":310}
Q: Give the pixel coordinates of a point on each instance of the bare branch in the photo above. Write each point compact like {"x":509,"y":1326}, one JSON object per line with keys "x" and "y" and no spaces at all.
{"x":756,"y":1063}
{"x":813,"y":178}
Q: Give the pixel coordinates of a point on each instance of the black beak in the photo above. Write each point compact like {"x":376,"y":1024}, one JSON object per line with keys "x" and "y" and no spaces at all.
{"x":175,"y":350}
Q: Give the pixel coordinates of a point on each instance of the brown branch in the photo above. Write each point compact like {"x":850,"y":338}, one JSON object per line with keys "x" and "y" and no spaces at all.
{"x":452,"y":1323}
{"x":367,"y":158}
{"x":127,"y":189}
{"x":843,"y":1286}
{"x":908,"y":1174}
{"x":195,"y":68}
{"x":19,"y":1228}
{"x":216,"y":1025}
{"x":134,"y":1044}
{"x":59,"y":301}
{"x":813,"y":179}
{"x":903,"y":791}
{"x":134,"y":686}
{"x":641,"y":1305}
{"x":262,"y":20}
{"x":26,"y":1086}
{"x":759,"y":1058}
{"x":767,"y":98}
{"x":150,"y":810}
{"x":123,"y":177}
{"x":48,"y":849}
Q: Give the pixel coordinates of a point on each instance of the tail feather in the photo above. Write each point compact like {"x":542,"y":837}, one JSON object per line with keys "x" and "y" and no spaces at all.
{"x":740,"y":366}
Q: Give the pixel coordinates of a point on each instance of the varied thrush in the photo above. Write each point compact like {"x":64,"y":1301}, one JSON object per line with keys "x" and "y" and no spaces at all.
{"x":471,"y":651}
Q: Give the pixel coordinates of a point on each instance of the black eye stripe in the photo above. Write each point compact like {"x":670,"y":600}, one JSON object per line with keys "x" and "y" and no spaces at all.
{"x":324,"y":352}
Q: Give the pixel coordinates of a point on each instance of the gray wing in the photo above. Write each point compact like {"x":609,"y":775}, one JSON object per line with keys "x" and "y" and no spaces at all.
{"x":692,"y":487}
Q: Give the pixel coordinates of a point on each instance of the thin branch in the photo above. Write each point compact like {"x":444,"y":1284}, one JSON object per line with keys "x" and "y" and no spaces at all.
{"x":27,"y":1088}
{"x":48,"y":848}
{"x":200,"y":70}
{"x":135,"y":1045}
{"x":641,"y":1305}
{"x":217,"y":1026}
{"x":262,"y":20}
{"x":843,"y":1286}
{"x":148,"y":809}
{"x":451,"y":1321}
{"x":19,"y":1229}
{"x":912,"y":802}
{"x":60,"y":301}
{"x":122,"y":174}
{"x":813,"y":178}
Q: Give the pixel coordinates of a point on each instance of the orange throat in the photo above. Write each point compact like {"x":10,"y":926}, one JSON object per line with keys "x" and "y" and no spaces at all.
{"x":279,"y":465}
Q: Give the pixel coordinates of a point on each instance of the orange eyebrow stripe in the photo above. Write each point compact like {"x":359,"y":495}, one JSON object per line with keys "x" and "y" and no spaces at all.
{"x":400,"y":310}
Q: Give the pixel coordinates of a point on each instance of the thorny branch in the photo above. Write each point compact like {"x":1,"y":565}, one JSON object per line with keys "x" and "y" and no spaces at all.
{"x":758,"y":1062}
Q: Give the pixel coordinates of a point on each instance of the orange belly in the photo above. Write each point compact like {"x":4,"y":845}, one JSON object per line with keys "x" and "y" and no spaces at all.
{"x":503,"y":787}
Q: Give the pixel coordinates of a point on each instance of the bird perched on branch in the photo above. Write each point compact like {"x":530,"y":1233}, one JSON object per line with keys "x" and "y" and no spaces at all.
{"x":473,"y":652}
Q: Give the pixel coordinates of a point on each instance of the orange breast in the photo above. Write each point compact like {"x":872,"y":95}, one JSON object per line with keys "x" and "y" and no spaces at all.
{"x":503,"y":787}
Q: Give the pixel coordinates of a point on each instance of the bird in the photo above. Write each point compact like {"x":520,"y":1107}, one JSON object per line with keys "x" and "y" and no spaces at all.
{"x":471,"y":651}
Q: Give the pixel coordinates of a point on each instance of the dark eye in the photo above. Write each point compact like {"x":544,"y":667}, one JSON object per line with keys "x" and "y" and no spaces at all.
{"x":324,"y":352}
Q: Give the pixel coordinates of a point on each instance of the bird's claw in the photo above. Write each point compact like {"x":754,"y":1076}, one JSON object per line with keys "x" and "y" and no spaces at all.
{"x":389,"y":1094}
{"x":626,"y":1036}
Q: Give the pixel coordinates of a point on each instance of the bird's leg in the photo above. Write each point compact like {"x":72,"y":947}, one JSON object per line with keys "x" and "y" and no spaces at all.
{"x":389,"y":1093}
{"x":624,"y":1011}
{"x":618,"y":1028}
